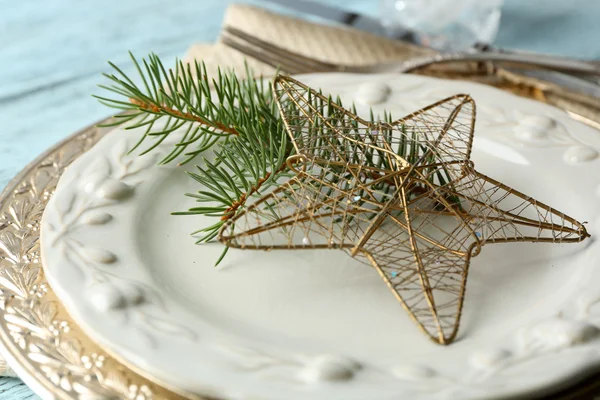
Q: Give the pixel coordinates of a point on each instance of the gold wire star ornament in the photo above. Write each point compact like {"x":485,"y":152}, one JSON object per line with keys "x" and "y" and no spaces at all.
{"x":401,"y":196}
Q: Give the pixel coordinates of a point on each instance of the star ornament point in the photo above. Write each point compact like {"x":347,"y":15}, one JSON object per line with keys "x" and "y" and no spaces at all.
{"x":402,"y":196}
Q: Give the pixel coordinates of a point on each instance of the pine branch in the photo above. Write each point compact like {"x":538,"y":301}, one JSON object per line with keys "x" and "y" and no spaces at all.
{"x":158,"y":109}
{"x":241,"y":201}
{"x":185,"y":99}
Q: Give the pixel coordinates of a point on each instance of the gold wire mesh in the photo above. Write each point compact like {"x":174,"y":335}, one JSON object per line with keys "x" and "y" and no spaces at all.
{"x":401,"y":196}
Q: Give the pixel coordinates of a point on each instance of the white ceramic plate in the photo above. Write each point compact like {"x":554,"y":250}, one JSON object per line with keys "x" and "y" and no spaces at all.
{"x":318,"y":324}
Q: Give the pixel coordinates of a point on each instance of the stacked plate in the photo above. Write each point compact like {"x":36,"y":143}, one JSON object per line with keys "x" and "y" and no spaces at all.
{"x":115,"y":300}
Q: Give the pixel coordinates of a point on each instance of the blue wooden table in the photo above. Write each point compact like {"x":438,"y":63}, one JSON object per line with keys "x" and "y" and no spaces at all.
{"x":52,"y":53}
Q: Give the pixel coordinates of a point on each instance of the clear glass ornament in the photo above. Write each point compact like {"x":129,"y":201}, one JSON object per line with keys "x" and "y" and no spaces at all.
{"x":444,"y":24}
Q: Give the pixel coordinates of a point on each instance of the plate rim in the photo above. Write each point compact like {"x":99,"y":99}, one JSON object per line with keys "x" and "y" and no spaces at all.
{"x":27,"y":369}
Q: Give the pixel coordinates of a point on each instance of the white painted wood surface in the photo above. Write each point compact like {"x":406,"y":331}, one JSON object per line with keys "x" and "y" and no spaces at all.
{"x":53,"y":51}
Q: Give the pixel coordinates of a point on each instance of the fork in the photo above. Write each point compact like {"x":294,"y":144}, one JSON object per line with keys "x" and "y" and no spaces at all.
{"x":296,"y":63}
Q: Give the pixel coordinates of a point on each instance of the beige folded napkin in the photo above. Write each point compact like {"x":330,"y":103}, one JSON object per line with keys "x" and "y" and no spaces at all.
{"x":326,"y":43}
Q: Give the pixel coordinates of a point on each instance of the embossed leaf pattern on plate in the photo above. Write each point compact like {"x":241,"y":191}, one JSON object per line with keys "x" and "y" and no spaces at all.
{"x":107,"y":181}
{"x":34,"y":326}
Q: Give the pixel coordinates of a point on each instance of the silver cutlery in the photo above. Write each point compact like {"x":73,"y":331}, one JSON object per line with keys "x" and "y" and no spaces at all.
{"x":374,"y":25}
{"x":295,"y":63}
